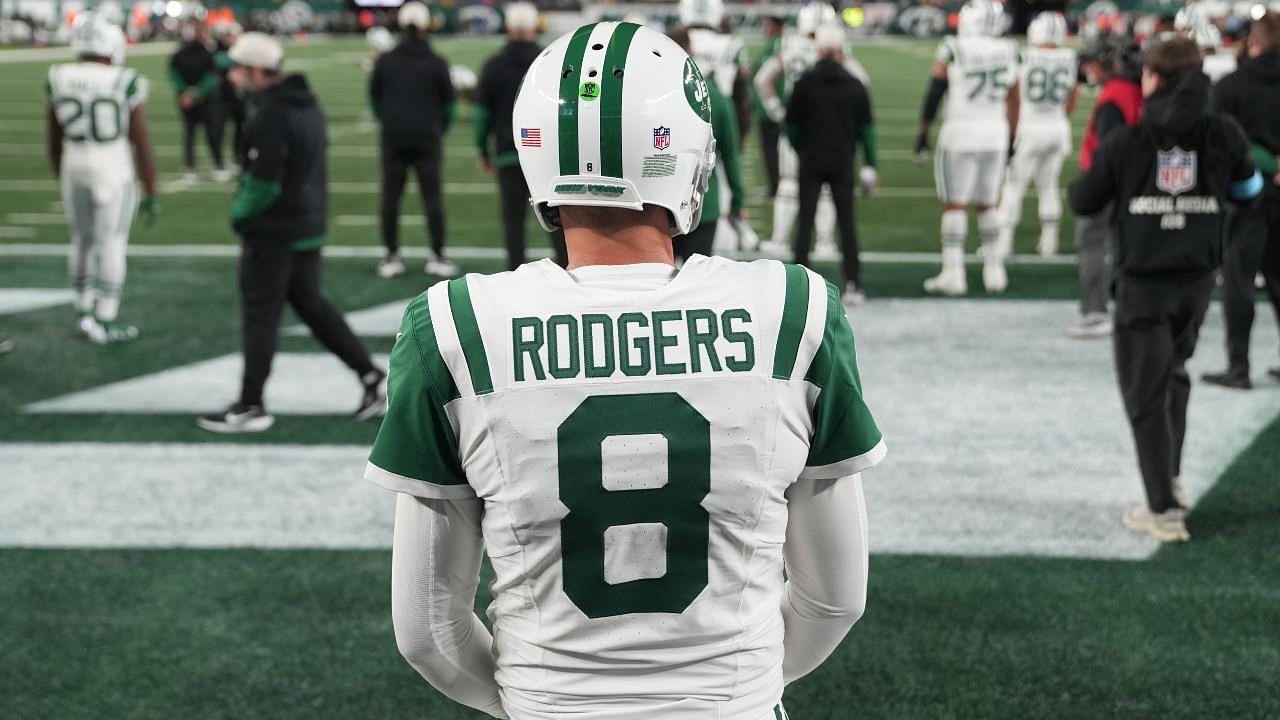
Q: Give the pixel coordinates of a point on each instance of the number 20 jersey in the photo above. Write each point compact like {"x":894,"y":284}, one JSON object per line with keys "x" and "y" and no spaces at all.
{"x":632,"y":450}
{"x":93,"y":102}
{"x":980,"y":72}
{"x":1046,"y":76}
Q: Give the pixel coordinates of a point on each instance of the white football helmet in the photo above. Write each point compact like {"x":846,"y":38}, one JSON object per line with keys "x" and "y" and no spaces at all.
{"x":1047,"y":28}
{"x":110,"y":11}
{"x":709,"y":13}
{"x":813,"y":16}
{"x":380,"y":39}
{"x":91,"y":36}
{"x":979,"y":18}
{"x":463,"y":78}
{"x":1196,"y":24}
{"x":615,"y":115}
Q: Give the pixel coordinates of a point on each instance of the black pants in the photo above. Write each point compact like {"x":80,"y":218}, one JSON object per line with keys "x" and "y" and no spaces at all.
{"x":270,"y":277}
{"x":208,"y":114}
{"x":769,"y":132}
{"x":514,"y":199}
{"x":1252,"y":245}
{"x":698,"y":242}
{"x":425,"y":161}
{"x":1157,"y":323}
{"x":841,"y":181}
{"x":235,"y":112}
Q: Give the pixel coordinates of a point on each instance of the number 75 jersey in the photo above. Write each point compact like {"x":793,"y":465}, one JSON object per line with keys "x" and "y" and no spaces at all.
{"x":980,"y":73}
{"x":632,"y":449}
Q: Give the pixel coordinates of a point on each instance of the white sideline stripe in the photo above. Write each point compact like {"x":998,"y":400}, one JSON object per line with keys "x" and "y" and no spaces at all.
{"x":464,"y":252}
{"x":17,"y":232}
{"x":974,"y":467}
{"x":18,"y":300}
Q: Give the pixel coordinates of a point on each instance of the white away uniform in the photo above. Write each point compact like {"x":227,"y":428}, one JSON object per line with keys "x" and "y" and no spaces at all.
{"x":1219,"y":65}
{"x":1047,"y":77}
{"x":632,"y":449}
{"x":93,"y":102}
{"x":719,"y":56}
{"x":974,"y":139}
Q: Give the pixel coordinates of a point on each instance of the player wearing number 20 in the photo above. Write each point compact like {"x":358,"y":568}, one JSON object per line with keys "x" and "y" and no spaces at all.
{"x":640,"y":450}
{"x":1047,"y":76}
{"x":96,"y":122}
{"x":977,"y":72}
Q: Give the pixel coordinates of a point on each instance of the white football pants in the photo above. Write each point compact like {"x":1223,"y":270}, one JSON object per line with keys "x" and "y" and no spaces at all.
{"x":1041,"y":163}
{"x":100,"y":215}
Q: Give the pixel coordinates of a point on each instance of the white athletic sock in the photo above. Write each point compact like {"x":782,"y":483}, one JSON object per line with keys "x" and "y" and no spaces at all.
{"x":953,"y":259}
{"x":1049,"y":233}
{"x":785,"y":206}
{"x":989,"y":230}
{"x":954,"y":226}
{"x":83,"y":289}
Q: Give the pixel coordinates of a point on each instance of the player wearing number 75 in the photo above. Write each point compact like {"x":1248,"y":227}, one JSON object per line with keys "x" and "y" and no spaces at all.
{"x":640,"y":450}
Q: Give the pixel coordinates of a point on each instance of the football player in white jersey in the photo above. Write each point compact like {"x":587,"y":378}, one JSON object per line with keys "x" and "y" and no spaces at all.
{"x":977,"y":72}
{"x":1047,"y":78}
{"x":97,"y":133}
{"x":640,"y":450}
{"x":797,"y":54}
{"x":1195,"y":23}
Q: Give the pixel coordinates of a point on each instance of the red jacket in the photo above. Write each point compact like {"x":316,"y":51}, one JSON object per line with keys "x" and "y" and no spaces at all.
{"x":1126,"y":96}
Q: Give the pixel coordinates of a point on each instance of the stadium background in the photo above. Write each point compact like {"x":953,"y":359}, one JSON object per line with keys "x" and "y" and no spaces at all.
{"x":110,"y":622}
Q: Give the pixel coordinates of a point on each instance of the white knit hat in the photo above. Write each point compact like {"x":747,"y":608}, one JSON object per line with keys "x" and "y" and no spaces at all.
{"x":521,"y":16}
{"x":829,"y":37}
{"x":414,"y":14}
{"x":256,"y":49}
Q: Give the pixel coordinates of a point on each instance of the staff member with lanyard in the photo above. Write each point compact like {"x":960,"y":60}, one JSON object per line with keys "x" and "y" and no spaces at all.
{"x":1170,"y":176}
{"x":280,"y":213}
{"x":495,"y":97}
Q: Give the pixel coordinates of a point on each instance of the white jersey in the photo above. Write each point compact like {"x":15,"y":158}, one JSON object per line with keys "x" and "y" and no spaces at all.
{"x":980,"y":72}
{"x":93,"y":103}
{"x":1219,"y":65}
{"x":1047,"y":77}
{"x":719,"y":56}
{"x":632,"y":448}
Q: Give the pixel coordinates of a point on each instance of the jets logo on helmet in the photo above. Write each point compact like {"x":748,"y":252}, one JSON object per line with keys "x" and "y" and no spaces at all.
{"x":702,"y":13}
{"x":604,"y":150}
{"x":980,"y":18}
{"x":1048,"y":28}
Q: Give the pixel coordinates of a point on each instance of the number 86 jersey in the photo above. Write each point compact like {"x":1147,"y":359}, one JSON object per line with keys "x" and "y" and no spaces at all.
{"x":632,"y":449}
{"x":1047,"y":75}
{"x":92,"y":103}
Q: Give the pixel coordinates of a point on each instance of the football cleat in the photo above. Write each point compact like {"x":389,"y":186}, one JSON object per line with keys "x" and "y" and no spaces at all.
{"x":994,"y":276}
{"x":1092,"y":326}
{"x":853,"y":296}
{"x":237,"y":419}
{"x":390,"y":266}
{"x":952,"y":283}
{"x":109,"y":332}
{"x":374,"y":401}
{"x":1167,"y":527}
{"x":1274,"y":373}
{"x":6,"y":344}
{"x":85,"y":324}
{"x":440,"y":267}
{"x":1235,"y":378}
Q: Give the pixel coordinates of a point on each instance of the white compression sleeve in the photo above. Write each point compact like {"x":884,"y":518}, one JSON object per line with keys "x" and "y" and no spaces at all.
{"x":826,"y":562}
{"x":435,"y":568}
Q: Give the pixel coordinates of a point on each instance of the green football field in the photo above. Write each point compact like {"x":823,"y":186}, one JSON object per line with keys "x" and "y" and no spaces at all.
{"x":139,"y":579}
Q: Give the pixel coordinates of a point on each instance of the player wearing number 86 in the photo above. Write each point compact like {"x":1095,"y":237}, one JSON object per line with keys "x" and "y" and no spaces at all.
{"x":640,"y":450}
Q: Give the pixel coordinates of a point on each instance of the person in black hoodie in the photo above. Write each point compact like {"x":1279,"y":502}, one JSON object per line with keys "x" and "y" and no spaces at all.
{"x":414,"y":100}
{"x":828,"y":115}
{"x":195,"y":80}
{"x":495,"y":97}
{"x":280,"y":213}
{"x":1251,"y":95}
{"x":1169,"y":177}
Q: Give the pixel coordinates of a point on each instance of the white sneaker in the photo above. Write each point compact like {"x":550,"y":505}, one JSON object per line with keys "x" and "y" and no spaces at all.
{"x":237,"y":419}
{"x":948,"y":282}
{"x":1167,"y":527}
{"x":853,"y":296}
{"x":994,"y":276}
{"x":190,"y":177}
{"x":221,"y":175}
{"x":1090,"y":327}
{"x":826,"y":251}
{"x":774,"y":248}
{"x":390,"y":266}
{"x":440,"y":267}
{"x":1180,"y":494}
{"x":110,"y":332}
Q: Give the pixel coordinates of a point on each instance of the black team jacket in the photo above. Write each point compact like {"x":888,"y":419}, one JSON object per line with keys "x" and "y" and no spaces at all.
{"x":1251,"y":95}
{"x":284,"y":187}
{"x":1170,"y":177}
{"x":412,"y":95}
{"x":496,"y":99}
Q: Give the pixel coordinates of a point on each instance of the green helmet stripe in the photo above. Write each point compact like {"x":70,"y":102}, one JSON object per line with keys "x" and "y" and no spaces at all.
{"x":611,"y":99}
{"x":567,"y":121}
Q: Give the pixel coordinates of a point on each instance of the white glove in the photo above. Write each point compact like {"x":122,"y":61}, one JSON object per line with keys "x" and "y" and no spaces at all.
{"x":868,"y":178}
{"x":773,"y":107}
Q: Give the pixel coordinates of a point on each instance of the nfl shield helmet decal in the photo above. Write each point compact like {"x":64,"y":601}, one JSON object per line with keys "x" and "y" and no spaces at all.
{"x":1176,"y":170}
{"x":662,"y":137}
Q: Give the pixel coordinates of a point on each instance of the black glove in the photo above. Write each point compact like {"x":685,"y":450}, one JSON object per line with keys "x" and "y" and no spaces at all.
{"x":922,"y":148}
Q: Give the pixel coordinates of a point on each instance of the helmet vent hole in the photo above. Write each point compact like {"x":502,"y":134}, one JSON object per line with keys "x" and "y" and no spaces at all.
{"x":655,"y":52}
{"x":597,"y":46}
{"x":617,"y":72}
{"x":568,"y":70}
{"x":592,"y":73}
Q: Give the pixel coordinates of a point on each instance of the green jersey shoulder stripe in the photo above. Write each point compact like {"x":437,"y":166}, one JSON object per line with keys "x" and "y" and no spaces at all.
{"x":567,"y":122}
{"x":613,"y":77}
{"x":795,"y":309}
{"x":423,"y":333}
{"x":464,"y":319}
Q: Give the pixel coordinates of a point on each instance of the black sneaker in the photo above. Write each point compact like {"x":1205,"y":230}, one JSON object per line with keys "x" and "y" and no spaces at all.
{"x":1274,"y":373}
{"x":237,"y":419}
{"x":1232,"y":378}
{"x":374,"y":401}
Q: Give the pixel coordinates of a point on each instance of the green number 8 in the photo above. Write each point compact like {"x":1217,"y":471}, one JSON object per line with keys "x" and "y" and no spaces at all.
{"x":593,"y":509}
